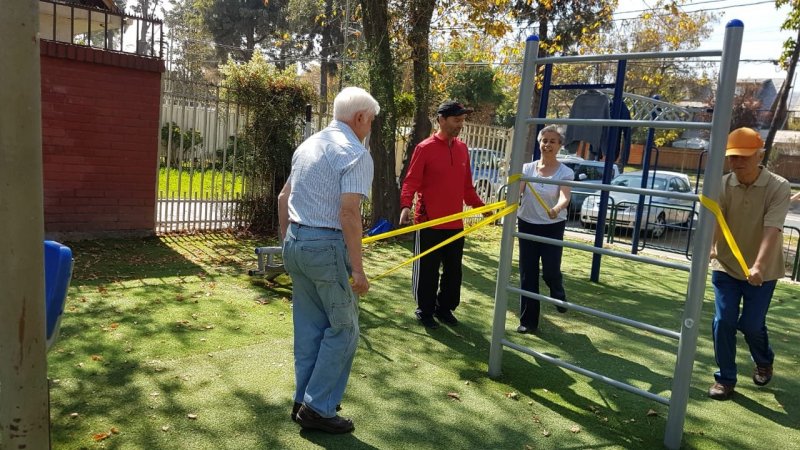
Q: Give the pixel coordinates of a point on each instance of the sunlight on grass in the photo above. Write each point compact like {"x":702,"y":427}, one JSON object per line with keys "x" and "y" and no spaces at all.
{"x":174,"y":183}
{"x":168,"y":341}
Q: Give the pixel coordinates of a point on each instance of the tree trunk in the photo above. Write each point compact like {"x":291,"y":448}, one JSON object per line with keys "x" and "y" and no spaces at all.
{"x":420,"y":13}
{"x":24,"y":413}
{"x":780,"y":112}
{"x":385,"y":194}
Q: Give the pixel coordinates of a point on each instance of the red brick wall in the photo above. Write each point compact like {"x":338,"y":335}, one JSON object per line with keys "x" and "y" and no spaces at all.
{"x":99,"y":140}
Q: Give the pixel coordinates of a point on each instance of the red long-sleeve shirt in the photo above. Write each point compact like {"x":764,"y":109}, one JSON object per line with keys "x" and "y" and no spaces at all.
{"x":440,"y":175}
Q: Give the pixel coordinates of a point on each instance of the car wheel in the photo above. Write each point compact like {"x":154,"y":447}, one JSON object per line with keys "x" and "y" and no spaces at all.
{"x":659,"y":227}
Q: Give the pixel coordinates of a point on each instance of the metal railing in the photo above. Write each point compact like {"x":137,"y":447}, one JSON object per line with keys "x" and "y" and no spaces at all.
{"x":101,"y":29}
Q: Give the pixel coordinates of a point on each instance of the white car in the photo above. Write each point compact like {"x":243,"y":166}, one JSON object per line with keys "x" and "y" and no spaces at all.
{"x":659,"y":212}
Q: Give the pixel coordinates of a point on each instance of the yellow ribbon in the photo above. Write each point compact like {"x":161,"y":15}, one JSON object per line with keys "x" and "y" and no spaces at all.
{"x":433,"y":222}
{"x":466,"y":231}
{"x":538,"y":197}
{"x":713,"y":206}
{"x":446,"y":219}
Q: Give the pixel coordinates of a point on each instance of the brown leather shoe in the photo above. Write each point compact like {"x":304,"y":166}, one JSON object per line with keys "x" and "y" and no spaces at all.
{"x":762,"y":375}
{"x":720,"y":391}
{"x":297,"y":406}
{"x":309,"y":419}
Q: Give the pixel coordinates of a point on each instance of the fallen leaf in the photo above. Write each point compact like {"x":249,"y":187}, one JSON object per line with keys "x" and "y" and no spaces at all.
{"x":575,"y":429}
{"x":512,"y":395}
{"x":74,"y":415}
{"x":466,"y":383}
{"x":651,"y":413}
{"x":192,"y":416}
{"x":114,"y":430}
{"x":165,"y":428}
{"x":545,"y":433}
{"x":101,"y":436}
{"x":97,"y":358}
{"x":536,"y":419}
{"x":454,"y":396}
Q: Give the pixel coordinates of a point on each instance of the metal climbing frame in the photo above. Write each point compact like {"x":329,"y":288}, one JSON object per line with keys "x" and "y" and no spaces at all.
{"x":687,"y":337}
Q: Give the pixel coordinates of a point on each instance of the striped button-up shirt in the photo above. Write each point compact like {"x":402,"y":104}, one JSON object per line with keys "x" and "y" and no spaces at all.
{"x":328,"y":164}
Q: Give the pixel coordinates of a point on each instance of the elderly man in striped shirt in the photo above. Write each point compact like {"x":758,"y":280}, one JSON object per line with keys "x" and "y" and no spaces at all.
{"x":320,"y":221}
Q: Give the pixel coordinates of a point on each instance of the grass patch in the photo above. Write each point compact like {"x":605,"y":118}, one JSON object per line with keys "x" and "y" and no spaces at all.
{"x":160,"y":329}
{"x":202,"y":184}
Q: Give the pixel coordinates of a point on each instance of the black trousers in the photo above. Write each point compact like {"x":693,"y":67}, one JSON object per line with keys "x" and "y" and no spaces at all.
{"x":431,"y":292}
{"x":530,"y":253}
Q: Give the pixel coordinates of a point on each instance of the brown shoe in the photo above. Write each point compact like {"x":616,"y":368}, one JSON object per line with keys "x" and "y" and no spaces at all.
{"x":309,"y":419}
{"x":762,"y":374}
{"x":719,"y":391}
{"x":297,"y":406}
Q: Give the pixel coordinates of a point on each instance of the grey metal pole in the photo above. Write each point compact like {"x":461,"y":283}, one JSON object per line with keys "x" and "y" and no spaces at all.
{"x":518,"y":147}
{"x":687,"y":346}
{"x":24,"y":414}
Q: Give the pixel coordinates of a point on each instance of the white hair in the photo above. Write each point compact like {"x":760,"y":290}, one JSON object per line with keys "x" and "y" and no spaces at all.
{"x":353,"y":100}
{"x":551,"y":129}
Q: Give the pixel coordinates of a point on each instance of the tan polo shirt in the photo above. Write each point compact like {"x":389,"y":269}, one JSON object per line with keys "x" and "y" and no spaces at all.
{"x":748,"y":209}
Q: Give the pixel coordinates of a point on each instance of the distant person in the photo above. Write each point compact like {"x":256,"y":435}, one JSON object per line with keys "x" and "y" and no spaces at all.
{"x":440,"y":175}
{"x":533,"y":218}
{"x":754,"y":202}
{"x":320,"y":221}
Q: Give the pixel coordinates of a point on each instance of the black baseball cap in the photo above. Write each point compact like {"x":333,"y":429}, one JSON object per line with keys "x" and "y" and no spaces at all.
{"x":452,"y":108}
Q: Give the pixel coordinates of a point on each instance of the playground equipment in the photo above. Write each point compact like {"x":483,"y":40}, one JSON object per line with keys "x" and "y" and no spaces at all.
{"x":57,"y":274}
{"x":687,"y":336}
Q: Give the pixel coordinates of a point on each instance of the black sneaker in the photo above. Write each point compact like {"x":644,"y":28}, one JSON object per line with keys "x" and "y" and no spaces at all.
{"x":446,"y":316}
{"x":309,"y":419}
{"x":427,"y":321}
{"x":561,"y":309}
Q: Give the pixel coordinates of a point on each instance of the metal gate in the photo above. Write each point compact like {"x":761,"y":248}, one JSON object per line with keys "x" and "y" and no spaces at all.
{"x":200,"y":180}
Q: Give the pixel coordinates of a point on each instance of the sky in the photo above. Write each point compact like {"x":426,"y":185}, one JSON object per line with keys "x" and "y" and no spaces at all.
{"x":763,"y":38}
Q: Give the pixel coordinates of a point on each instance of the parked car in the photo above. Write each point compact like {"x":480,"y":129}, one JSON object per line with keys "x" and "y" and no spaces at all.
{"x":488,"y":172}
{"x":585,"y":171}
{"x":659,"y":212}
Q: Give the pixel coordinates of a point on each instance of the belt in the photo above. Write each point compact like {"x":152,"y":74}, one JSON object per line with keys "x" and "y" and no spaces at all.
{"x":300,"y":225}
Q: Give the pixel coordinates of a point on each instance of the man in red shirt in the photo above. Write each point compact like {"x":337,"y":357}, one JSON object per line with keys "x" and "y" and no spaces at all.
{"x":440,"y":175}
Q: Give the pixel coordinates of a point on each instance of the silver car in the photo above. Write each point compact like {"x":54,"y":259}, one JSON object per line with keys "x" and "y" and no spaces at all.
{"x":659,"y":213}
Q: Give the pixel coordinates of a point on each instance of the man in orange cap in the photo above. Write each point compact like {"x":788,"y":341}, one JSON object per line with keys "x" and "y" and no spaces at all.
{"x":754,"y":202}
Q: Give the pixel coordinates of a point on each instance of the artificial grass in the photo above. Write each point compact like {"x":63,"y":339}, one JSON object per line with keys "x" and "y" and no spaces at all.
{"x":169,"y":343}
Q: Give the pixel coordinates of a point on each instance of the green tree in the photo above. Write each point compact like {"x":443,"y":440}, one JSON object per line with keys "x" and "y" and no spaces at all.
{"x":191,"y":53}
{"x":240,"y":26}
{"x":275,"y":102}
{"x":788,"y":61}
{"x":385,"y":193}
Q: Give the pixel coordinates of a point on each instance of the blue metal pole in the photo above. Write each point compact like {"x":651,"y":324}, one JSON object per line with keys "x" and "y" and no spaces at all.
{"x":611,"y":153}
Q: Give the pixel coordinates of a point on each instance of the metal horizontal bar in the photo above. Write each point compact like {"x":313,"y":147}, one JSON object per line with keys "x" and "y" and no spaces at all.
{"x":603,"y":251}
{"x":588,"y":373}
{"x":627,"y":56}
{"x":621,"y":123}
{"x":557,"y":87}
{"x":611,"y":188}
{"x":597,"y":313}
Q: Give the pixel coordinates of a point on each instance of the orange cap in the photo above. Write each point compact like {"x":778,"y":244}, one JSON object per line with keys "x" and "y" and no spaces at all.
{"x":743,"y":142}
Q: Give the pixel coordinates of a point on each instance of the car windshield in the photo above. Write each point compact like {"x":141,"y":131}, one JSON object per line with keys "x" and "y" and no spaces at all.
{"x":658,"y":184}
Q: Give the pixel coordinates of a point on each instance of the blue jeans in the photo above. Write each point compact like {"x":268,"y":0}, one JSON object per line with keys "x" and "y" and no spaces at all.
{"x":325,"y":315}
{"x":728,"y":294}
